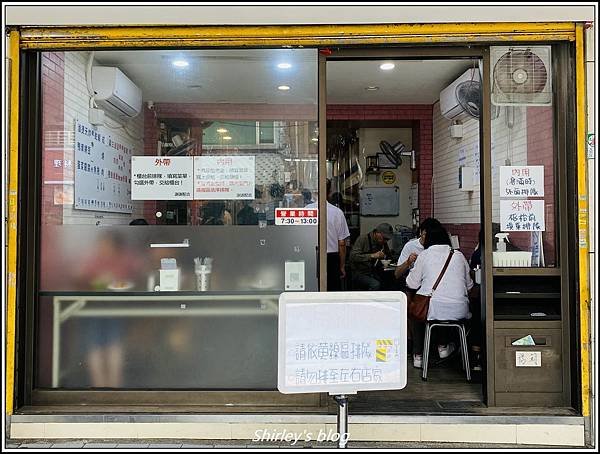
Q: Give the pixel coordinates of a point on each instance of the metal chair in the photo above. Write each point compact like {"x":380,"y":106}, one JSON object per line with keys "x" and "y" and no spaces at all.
{"x":460,"y":324}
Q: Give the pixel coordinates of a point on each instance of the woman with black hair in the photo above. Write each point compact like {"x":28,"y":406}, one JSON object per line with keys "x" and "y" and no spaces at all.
{"x":449,"y":301}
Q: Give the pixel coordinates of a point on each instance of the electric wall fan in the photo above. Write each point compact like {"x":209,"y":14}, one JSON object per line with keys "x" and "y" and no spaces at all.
{"x":521,"y":76}
{"x":468,"y":95}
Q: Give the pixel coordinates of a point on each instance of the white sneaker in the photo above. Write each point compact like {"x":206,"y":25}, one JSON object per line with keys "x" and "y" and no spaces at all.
{"x":446,"y":350}
{"x":418,"y":361}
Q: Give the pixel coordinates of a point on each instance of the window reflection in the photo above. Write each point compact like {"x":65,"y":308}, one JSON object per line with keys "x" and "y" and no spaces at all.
{"x":97,"y":240}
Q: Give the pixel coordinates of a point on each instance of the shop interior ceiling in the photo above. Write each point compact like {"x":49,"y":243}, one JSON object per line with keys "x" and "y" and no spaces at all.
{"x":251,"y":76}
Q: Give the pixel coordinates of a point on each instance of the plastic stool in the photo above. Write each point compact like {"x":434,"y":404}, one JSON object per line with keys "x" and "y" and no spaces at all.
{"x":460,"y":324}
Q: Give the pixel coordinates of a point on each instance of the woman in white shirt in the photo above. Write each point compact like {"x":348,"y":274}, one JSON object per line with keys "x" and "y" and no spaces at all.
{"x":450,"y":300}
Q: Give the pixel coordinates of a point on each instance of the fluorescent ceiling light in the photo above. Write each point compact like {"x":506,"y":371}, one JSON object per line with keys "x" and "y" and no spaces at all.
{"x":284,"y":65}
{"x":180,"y":63}
{"x":372,"y":88}
{"x":226,"y":138}
{"x":283,"y":87}
{"x":387,"y":66}
{"x":222,"y":130}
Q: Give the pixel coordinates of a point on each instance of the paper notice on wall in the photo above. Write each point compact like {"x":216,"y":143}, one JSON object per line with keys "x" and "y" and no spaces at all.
{"x":102,"y":170}
{"x":522,"y":181}
{"x":224,"y":177}
{"x":462,"y":157}
{"x":476,"y":164}
{"x":522,"y":216}
{"x":162,"y":178}
{"x":528,"y":359}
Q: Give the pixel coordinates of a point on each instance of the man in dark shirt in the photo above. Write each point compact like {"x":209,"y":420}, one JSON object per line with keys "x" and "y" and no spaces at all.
{"x":366,"y":253}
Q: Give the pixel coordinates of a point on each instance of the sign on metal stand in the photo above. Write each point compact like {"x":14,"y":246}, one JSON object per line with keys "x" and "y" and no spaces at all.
{"x":341,"y":343}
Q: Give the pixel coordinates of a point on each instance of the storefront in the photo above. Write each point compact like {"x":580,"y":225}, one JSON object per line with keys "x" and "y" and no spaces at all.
{"x":203,"y":133}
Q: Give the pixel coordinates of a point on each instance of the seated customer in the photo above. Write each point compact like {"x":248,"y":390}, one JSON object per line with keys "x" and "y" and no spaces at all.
{"x":366,"y":253}
{"x":450,"y":300}
{"x":413,"y":248}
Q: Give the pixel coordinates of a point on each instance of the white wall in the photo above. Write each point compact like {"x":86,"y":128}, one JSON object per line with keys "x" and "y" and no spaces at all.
{"x":369,"y":139}
{"x":508,"y":142}
{"x":76,"y":106}
{"x":268,"y":14}
{"x":451,"y":205}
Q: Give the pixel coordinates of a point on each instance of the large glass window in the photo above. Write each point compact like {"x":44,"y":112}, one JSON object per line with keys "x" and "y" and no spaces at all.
{"x":523,"y":157}
{"x":161,"y":257}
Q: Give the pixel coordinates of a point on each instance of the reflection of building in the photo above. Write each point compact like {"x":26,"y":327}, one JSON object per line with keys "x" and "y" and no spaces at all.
{"x":278,"y":126}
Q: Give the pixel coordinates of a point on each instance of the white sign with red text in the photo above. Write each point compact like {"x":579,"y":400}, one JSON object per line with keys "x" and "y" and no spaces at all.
{"x":162,"y":178}
{"x":522,"y":216}
{"x":224,"y":177}
{"x":296,"y":216}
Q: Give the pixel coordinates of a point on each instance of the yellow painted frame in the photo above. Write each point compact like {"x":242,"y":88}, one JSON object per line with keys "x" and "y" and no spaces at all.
{"x":294,"y":35}
{"x":582,"y":198}
{"x":64,"y":38}
{"x":13,"y":180}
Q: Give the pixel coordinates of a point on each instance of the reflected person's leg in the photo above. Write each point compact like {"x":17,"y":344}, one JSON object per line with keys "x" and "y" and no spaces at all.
{"x":418,"y":336}
{"x":95,"y":359}
{"x":96,"y":342}
{"x":114,"y":365}
{"x":333,"y":272}
{"x":369,"y":283}
{"x":113,"y":352}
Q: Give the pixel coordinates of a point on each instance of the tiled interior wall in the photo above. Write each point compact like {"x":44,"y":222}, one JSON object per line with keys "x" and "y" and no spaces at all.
{"x":54,"y":136}
{"x":520,"y":136}
{"x":458,"y":210}
{"x":76,"y":104}
{"x":369,"y":139}
{"x":64,"y":99}
{"x":422,"y":141}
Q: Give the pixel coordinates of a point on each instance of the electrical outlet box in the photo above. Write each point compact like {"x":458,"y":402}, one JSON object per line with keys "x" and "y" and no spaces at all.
{"x":466,"y":178}
{"x":294,"y":276}
{"x":96,"y":116}
{"x":456,"y":131}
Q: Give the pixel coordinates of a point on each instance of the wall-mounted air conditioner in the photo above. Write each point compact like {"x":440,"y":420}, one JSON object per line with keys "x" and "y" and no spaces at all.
{"x":115,"y":92}
{"x":460,"y":100}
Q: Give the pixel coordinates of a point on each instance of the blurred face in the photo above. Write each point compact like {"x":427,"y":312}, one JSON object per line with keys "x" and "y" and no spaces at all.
{"x":422,"y":237}
{"x":379,"y":238}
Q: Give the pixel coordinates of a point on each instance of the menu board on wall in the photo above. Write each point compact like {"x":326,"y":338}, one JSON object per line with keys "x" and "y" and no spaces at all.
{"x":522,"y":181}
{"x":522,"y":215}
{"x":162,"y":178}
{"x":224,"y":177}
{"x":102,"y":170}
